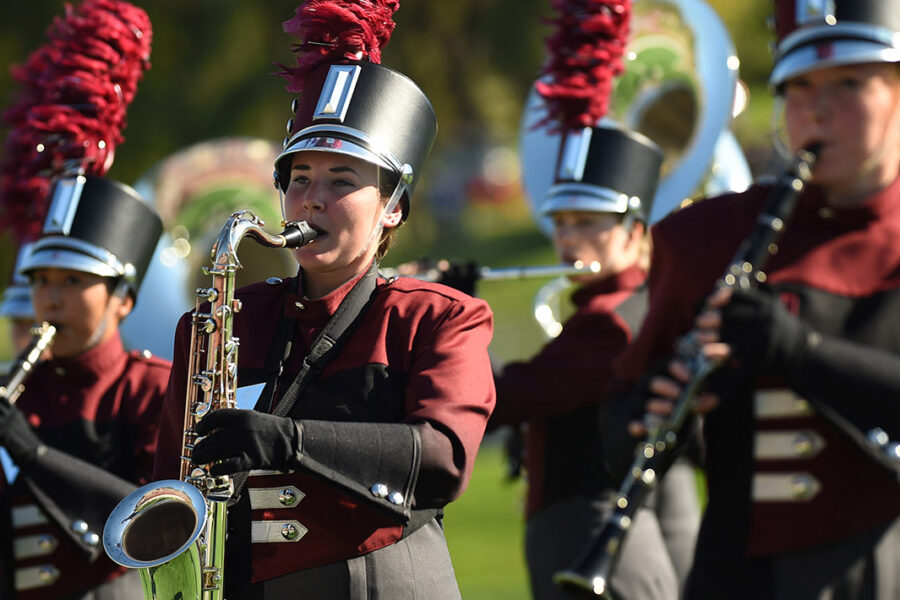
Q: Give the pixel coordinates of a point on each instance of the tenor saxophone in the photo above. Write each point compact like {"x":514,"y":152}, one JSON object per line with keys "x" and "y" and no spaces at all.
{"x":173,"y":531}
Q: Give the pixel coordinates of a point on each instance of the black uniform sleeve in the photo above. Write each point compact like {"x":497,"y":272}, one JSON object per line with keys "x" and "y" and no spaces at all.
{"x":359,"y":456}
{"x":71,"y":491}
{"x":858,"y":389}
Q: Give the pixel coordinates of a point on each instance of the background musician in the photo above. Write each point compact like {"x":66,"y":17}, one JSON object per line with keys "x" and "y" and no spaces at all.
{"x":557,"y":392}
{"x":16,"y":305}
{"x":375,"y":444}
{"x":803,"y":489}
{"x":83,"y":432}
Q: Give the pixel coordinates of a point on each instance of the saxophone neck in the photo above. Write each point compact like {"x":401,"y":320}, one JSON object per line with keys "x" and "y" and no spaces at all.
{"x":245,"y":223}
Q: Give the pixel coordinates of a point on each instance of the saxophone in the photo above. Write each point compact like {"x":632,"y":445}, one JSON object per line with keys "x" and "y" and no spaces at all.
{"x":173,"y":531}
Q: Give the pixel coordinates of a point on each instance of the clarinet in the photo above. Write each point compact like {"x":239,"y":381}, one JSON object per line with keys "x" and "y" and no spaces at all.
{"x":41,"y":338}
{"x":589,"y":574}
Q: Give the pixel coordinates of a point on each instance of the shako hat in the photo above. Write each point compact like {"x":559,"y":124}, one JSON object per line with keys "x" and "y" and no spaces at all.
{"x":348,"y":102}
{"x":365,"y":110}
{"x":605,"y":169}
{"x":600,"y":166}
{"x":97,"y":225}
{"x":815,"y":34}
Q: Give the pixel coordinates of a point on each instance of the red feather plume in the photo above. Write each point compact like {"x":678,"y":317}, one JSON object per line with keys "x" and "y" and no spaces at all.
{"x":69,"y":115}
{"x":586,"y":53}
{"x":333,"y":31}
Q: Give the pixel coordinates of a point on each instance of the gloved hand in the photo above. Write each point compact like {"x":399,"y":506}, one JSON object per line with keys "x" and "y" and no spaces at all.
{"x":762,"y":333}
{"x":460,"y":276}
{"x":246,"y":439}
{"x":17,"y":436}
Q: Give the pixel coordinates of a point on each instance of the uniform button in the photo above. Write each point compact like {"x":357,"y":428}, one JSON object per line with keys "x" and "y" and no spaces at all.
{"x":90,"y":538}
{"x":879,"y":437}
{"x":395,"y":498}
{"x":274,"y":280}
{"x":289,"y":531}
{"x":287,"y":497}
{"x":147,"y":354}
{"x":300,"y":306}
{"x":826,"y":212}
{"x":79,"y":526}
{"x":801,"y":487}
{"x":379,"y":490}
{"x":803,"y":445}
{"x":46,"y":542}
{"x":59,"y":371}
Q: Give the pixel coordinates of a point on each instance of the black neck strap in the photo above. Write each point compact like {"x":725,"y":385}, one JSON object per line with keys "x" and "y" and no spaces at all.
{"x":324,"y":349}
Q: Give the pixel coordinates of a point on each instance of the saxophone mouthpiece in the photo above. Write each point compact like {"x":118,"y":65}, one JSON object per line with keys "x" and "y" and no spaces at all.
{"x":298,"y":233}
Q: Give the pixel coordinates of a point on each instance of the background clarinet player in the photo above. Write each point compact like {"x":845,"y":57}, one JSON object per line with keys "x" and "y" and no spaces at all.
{"x":802,"y":469}
{"x":386,"y":435}
{"x":83,"y":431}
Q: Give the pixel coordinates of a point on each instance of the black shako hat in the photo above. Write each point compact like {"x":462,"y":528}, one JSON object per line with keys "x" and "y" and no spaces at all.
{"x":364,"y":110}
{"x":605,"y":169}
{"x":97,"y":225}
{"x":814,"y":34}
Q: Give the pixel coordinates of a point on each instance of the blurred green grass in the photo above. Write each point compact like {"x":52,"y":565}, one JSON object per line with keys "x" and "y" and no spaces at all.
{"x":485,"y":529}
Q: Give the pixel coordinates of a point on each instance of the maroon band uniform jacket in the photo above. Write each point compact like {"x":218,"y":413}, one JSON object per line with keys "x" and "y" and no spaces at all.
{"x":557,"y":393}
{"x":781,"y":476}
{"x":101,"y":406}
{"x":391,"y":427}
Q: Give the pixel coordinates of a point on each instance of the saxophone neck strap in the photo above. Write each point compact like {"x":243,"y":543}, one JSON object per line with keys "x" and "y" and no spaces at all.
{"x":324,"y":349}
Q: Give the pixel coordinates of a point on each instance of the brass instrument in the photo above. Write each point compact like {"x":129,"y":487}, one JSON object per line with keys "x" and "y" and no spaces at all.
{"x":173,"y":531}
{"x":590,"y":573}
{"x":506,"y":273}
{"x":42,"y":337}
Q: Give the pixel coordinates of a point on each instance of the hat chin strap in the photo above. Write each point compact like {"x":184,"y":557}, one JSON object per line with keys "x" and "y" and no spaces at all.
{"x":388,"y":208}
{"x":120,"y":291}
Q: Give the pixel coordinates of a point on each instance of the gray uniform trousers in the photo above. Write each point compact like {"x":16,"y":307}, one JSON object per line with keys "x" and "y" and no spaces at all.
{"x":555,"y":535}
{"x":417,"y":567}
{"x":864,"y":567}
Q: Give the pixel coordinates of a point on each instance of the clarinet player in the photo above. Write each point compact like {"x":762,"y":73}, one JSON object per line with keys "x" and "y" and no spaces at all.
{"x":801,"y":420}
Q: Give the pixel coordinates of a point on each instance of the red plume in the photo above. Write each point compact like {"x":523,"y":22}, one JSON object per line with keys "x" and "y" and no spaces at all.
{"x":585,"y":54}
{"x":336,"y":31}
{"x":69,"y":115}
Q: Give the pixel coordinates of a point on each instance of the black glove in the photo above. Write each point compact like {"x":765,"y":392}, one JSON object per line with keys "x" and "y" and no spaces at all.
{"x":461,"y":277}
{"x":246,"y":439}
{"x":762,"y":334}
{"x":17,"y":436}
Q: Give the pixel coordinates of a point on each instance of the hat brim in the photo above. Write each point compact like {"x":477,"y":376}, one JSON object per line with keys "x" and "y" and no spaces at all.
{"x":808,"y":58}
{"x":577,"y":197}
{"x":335,"y":145}
{"x":58,"y":257}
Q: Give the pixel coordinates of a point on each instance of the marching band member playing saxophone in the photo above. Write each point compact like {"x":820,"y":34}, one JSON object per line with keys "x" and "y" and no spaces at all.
{"x":801,"y":421}
{"x":348,"y":478}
